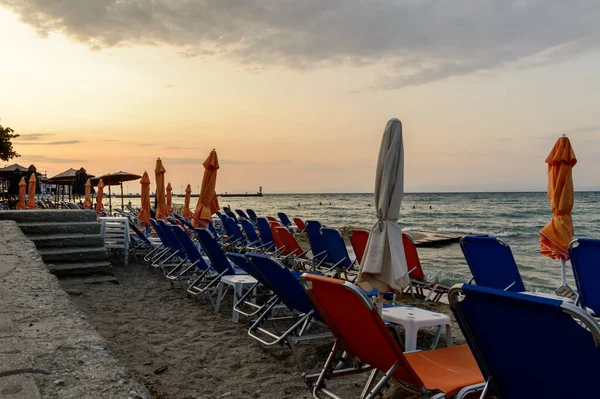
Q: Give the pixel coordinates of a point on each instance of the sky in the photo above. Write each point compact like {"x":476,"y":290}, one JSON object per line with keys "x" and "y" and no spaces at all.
{"x":294,"y":95}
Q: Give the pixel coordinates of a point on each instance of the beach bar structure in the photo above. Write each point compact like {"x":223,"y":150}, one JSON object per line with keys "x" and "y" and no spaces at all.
{"x":115,"y":179}
{"x":6,"y":174}
{"x":63,"y":182}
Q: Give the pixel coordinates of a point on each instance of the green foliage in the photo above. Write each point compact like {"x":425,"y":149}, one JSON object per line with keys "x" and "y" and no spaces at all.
{"x":6,"y":147}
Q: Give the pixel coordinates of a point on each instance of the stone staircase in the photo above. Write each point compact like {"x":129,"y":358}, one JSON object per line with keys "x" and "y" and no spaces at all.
{"x":69,"y":242}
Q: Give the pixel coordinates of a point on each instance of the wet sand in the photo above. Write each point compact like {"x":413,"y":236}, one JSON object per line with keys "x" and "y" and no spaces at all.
{"x":181,"y":349}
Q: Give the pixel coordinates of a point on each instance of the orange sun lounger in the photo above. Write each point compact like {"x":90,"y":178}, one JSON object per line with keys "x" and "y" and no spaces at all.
{"x":361,"y":333}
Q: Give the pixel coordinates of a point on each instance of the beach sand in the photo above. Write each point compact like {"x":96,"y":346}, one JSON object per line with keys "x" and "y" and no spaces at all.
{"x":181,"y":349}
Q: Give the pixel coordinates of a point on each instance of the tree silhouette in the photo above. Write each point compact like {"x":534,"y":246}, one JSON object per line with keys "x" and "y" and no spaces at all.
{"x":6,"y":147}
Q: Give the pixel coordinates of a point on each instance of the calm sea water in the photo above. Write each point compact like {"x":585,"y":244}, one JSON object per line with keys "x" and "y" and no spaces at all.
{"x":515,"y":217}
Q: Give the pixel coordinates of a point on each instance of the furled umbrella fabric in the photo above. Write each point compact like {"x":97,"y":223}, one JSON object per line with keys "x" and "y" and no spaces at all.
{"x":87,"y":202}
{"x":161,"y":204}
{"x":384,"y":264}
{"x":79,"y":182}
{"x":15,"y":182}
{"x":169,"y":198}
{"x":99,"y":204}
{"x":208,"y":203}
{"x":187,"y":213}
{"x":144,"y":215}
{"x":22,"y":188}
{"x":558,"y":233}
{"x":32,"y":171}
{"x":31,"y":192}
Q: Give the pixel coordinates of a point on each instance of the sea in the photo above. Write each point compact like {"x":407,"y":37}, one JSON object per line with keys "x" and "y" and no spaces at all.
{"x":516,"y":218}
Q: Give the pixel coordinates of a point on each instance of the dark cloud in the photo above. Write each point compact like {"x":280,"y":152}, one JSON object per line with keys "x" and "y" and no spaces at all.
{"x":199,"y":161}
{"x":409,"y":42}
{"x":33,"y":136}
{"x":580,"y":132}
{"x":43,"y":158}
{"x":63,"y":142}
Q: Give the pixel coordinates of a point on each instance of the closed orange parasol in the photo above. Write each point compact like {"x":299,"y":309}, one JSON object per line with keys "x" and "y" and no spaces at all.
{"x":207,"y":202}
{"x":169,"y":198}
{"x":22,"y":188}
{"x":144,"y":216}
{"x":556,"y":235}
{"x":161,"y":205}
{"x":99,"y":204}
{"x":87,"y":203}
{"x":32,"y":184}
{"x":187,"y":213}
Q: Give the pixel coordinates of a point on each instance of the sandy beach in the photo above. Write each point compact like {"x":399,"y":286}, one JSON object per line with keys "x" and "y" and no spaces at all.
{"x":181,"y":349}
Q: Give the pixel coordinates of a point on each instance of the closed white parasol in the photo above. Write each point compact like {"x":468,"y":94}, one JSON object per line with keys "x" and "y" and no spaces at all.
{"x":384,"y":265}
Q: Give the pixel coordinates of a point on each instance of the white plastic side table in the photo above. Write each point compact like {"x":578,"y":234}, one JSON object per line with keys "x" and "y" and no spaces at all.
{"x":239,"y":283}
{"x":412,"y":319}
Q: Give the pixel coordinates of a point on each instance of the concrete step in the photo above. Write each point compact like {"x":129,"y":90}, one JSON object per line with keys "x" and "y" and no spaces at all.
{"x":33,"y":228}
{"x":72,"y":255}
{"x":68,"y":240}
{"x":50,"y":215}
{"x":80,"y":269}
{"x":71,"y":282}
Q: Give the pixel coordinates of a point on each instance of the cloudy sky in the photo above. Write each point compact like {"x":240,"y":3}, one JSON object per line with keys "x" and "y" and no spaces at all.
{"x":294,"y":95}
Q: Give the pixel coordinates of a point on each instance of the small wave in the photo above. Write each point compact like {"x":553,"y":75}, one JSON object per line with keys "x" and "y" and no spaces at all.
{"x":462,"y":230}
{"x":413,"y":228}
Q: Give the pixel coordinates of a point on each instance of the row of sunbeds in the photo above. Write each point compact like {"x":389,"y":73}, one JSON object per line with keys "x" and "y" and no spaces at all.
{"x":315,"y":288}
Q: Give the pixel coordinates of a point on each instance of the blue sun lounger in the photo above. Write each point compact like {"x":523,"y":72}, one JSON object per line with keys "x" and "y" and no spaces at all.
{"x":235,"y":238}
{"x":289,"y":292}
{"x":585,"y":260}
{"x":244,"y":302}
{"x":180,"y":257}
{"x":168,"y":252}
{"x":285,"y":220}
{"x":492,"y":263}
{"x":316,"y":241}
{"x":195,"y":261}
{"x":253,"y":216}
{"x":337,"y":253}
{"x":241,"y":214}
{"x":207,"y":282}
{"x":528,"y":346}
{"x":266,"y":236}
{"x":231,"y":215}
{"x":254,"y":242}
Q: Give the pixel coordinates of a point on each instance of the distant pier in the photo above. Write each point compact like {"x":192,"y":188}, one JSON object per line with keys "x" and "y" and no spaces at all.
{"x":240,"y":195}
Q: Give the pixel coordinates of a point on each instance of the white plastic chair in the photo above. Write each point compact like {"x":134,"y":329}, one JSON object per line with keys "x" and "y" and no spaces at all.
{"x":115,"y":231}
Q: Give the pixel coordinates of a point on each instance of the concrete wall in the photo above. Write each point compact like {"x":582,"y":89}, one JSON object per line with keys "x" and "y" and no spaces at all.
{"x":47,"y":348}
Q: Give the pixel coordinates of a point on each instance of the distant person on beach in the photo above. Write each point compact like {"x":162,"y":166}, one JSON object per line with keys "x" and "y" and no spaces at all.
{"x":414,"y":207}
{"x":298,"y":205}
{"x":430,"y":207}
{"x":320,"y":203}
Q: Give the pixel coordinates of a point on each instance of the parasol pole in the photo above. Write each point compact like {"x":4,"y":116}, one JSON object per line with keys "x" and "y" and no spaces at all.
{"x":122,"y":205}
{"x":563,"y":272}
{"x":109,"y":201}
{"x":380,"y":303}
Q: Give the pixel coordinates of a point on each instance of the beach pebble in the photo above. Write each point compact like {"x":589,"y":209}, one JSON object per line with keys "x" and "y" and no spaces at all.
{"x":59,"y":382}
{"x":161,"y":370}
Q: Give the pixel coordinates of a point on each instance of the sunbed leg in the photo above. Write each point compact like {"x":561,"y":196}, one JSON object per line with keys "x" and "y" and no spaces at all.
{"x":292,"y":346}
{"x":383,"y":382}
{"x":432,"y":291}
{"x":369,"y":383}
{"x":436,"y":340}
{"x":320,"y":381}
{"x":485,"y":389}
